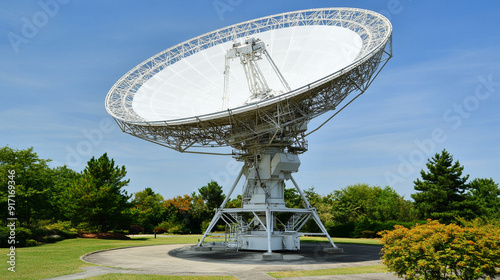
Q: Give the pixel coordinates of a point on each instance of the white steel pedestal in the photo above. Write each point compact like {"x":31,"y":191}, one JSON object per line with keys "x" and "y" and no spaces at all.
{"x":263,"y":198}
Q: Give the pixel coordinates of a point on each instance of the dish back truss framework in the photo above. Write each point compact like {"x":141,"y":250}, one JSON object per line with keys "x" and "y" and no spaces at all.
{"x":267,"y":135}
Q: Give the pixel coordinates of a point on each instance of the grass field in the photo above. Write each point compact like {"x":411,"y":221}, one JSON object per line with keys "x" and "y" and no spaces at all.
{"x":61,"y":258}
{"x":331,"y":271}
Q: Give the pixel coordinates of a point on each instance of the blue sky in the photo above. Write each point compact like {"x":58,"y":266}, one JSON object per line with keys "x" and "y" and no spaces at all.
{"x":441,"y":90}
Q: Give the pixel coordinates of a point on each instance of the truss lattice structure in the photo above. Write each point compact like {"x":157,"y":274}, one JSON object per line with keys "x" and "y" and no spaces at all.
{"x":281,"y":117}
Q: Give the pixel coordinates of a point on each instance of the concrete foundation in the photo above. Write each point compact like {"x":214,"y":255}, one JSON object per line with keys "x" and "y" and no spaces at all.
{"x":272,"y":257}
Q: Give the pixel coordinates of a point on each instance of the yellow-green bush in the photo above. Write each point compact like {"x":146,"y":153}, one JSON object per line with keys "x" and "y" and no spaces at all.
{"x":437,"y":251}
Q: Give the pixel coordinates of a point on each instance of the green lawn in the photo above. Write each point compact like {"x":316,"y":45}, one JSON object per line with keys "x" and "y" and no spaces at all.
{"x":61,"y":258}
{"x":331,"y":271}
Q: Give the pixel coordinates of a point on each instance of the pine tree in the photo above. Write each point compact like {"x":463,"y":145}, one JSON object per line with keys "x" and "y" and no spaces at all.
{"x":96,"y":197}
{"x":212,"y":195}
{"x":484,"y":197}
{"x":442,"y":190}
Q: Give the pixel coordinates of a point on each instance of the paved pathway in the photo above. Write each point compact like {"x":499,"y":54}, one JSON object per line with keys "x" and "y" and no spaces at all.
{"x":179,"y":260}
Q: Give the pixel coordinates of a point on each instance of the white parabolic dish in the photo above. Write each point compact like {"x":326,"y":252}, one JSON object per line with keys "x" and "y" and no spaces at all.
{"x":194,"y":86}
{"x":175,"y":97}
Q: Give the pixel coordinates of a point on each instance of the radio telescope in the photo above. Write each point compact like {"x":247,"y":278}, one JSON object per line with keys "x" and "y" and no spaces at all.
{"x":254,"y":86}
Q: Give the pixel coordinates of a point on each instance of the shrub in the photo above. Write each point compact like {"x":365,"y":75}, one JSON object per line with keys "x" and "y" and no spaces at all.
{"x":363,"y":228}
{"x":50,"y":233}
{"x":22,"y":236}
{"x":160,"y":230}
{"x":204,"y":225}
{"x":220,"y":228}
{"x":174,"y":228}
{"x":31,"y":243}
{"x":341,"y":230}
{"x":61,"y":226}
{"x":390,"y":225}
{"x":436,"y":251}
{"x":121,"y":231}
{"x":177,"y":229}
{"x":135,"y":229}
{"x":39,"y":233}
{"x":368,"y":234}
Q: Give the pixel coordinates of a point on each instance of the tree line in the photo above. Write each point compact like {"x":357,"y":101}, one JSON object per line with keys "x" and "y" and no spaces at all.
{"x":62,"y":201}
